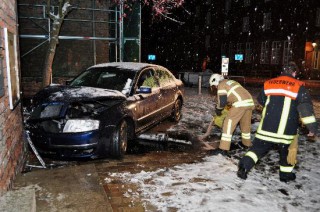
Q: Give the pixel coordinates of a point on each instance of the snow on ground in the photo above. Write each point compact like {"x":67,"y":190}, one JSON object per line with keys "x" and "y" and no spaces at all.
{"x":212,"y":185}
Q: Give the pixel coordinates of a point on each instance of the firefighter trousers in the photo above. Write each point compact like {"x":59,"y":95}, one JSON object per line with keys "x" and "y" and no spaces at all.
{"x":236,"y":115}
{"x":259,"y":149}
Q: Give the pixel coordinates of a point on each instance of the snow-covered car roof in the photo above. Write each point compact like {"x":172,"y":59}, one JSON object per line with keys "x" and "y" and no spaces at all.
{"x":125,"y":65}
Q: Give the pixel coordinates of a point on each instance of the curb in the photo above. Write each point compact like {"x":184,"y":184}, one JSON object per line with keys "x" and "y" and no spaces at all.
{"x":23,"y":199}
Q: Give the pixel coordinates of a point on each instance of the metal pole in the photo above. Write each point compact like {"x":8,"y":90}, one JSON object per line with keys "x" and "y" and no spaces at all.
{"x":121,"y":31}
{"x":94,"y":33}
{"x":199,"y":80}
{"x":140,"y":33}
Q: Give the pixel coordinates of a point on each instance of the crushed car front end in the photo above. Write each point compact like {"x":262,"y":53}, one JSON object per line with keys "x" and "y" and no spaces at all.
{"x":75,"y":127}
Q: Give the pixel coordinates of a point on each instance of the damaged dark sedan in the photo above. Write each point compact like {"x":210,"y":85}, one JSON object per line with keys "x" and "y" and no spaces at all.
{"x":100,"y":112}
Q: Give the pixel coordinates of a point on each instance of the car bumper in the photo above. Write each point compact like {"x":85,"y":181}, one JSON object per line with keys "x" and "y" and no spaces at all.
{"x":67,"y":145}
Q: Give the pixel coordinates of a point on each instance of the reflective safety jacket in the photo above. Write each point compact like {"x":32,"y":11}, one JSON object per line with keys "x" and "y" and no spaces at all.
{"x":232,"y":93}
{"x":285,"y":100}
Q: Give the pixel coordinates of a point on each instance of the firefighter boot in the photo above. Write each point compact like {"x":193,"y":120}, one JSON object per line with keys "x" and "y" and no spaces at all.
{"x":220,"y":151}
{"x":247,"y":143}
{"x":287,"y":177}
{"x":242,"y":173}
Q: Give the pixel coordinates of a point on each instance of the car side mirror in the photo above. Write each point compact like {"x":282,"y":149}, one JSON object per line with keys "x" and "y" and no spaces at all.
{"x":68,"y":82}
{"x":144,"y":89}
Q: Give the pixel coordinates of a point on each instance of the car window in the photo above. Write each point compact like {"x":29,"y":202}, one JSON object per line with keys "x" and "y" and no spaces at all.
{"x":108,"y":78}
{"x":165,"y":77}
{"x":148,"y":78}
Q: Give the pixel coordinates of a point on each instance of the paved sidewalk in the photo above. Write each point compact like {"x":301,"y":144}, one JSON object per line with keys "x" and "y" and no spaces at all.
{"x":71,"y":188}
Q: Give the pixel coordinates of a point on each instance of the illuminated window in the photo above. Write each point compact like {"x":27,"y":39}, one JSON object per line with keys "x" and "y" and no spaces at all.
{"x":275,"y":52}
{"x":287,"y":52}
{"x":316,"y":58}
{"x":264,"y":55}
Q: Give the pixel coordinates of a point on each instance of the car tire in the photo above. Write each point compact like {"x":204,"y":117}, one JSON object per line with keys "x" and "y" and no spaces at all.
{"x":119,"y":140}
{"x":177,"y":111}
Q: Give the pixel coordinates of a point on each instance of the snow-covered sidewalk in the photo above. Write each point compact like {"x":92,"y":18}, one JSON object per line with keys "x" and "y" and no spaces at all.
{"x":212,"y":185}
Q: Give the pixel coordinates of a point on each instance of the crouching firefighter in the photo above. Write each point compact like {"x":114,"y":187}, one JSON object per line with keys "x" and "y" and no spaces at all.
{"x":230,"y":92}
{"x":285,"y":100}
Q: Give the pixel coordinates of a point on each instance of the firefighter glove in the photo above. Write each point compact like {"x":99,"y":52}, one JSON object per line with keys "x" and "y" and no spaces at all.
{"x":219,"y":111}
{"x":292,"y":151}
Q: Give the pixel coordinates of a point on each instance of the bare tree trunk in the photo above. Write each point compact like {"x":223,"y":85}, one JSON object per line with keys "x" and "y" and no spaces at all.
{"x":47,"y":69}
{"x":64,"y":9}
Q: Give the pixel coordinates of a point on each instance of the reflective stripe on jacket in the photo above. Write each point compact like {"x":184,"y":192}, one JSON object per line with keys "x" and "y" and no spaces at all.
{"x":232,"y":93}
{"x":283,"y":86}
{"x":282,"y":97}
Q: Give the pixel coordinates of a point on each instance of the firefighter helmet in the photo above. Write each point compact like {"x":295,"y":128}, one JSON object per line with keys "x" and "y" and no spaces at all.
{"x":290,"y":68}
{"x":215,"y":79}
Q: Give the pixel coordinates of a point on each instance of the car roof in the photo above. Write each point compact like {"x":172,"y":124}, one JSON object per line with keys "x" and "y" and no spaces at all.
{"x":133,"y":66}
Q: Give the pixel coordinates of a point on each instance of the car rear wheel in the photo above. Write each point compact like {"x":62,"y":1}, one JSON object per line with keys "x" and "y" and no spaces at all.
{"x":119,"y":140}
{"x":176,"y":113}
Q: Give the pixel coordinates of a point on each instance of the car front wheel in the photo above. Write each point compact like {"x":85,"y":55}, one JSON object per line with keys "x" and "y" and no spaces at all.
{"x":119,"y":140}
{"x":176,"y":113}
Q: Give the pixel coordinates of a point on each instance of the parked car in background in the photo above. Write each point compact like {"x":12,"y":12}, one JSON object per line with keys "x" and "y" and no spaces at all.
{"x":191,"y":79}
{"x":103,"y":109}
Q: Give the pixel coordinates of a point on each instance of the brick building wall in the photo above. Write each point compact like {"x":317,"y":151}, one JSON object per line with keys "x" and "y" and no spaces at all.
{"x":12,"y":145}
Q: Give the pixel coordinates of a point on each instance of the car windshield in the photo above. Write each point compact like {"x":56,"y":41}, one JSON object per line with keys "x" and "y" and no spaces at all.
{"x":107,"y":77}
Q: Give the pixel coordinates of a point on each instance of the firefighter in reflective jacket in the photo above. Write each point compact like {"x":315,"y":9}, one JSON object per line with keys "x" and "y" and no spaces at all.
{"x":285,"y":100}
{"x":230,"y":92}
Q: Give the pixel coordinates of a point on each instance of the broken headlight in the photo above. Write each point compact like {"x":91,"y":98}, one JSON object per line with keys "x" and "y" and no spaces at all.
{"x":80,"y":125}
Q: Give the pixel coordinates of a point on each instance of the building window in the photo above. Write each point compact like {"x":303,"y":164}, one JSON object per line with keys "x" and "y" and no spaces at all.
{"x":248,"y":53}
{"x":231,"y":52}
{"x":316,"y":63}
{"x":207,"y":44}
{"x":266,"y":21}
{"x":239,"y":48}
{"x":318,"y":18}
{"x":208,"y":19}
{"x":1,"y":62}
{"x":264,"y":55}
{"x":287,"y":52}
{"x":198,"y":11}
{"x":245,"y":24}
{"x":12,"y":67}
{"x":228,"y":5}
{"x":224,"y":49}
{"x":246,"y":3}
{"x":275,"y":52}
{"x":226,"y":27}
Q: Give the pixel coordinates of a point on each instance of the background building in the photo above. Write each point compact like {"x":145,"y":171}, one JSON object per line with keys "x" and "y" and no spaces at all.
{"x":270,"y":33}
{"x":266,"y":33}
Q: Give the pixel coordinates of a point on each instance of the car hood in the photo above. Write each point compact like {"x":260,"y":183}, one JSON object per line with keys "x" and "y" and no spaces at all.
{"x":59,"y":93}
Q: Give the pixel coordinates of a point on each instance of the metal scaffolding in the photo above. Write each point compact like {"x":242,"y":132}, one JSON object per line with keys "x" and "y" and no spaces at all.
{"x":114,"y":24}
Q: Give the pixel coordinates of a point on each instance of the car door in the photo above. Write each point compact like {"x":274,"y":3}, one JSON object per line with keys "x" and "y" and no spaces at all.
{"x":146,"y":104}
{"x":168,"y":90}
